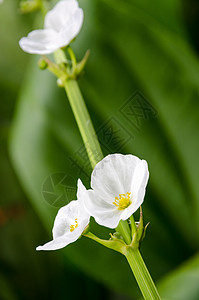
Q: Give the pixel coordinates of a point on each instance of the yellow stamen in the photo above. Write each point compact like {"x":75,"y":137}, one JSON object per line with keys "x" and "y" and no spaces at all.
{"x":72,"y":227}
{"x":123,"y":201}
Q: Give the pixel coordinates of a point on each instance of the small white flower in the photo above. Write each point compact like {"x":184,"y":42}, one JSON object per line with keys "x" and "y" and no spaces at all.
{"x":61,"y":26}
{"x":70,"y":222}
{"x":118,"y":187}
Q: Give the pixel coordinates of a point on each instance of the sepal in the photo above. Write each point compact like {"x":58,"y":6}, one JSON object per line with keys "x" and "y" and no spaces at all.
{"x":144,"y":232}
{"x":81,"y":65}
{"x":139,"y":231}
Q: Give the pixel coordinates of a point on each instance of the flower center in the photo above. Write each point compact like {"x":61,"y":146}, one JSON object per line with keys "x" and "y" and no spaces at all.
{"x":72,"y":227}
{"x":123,"y":201}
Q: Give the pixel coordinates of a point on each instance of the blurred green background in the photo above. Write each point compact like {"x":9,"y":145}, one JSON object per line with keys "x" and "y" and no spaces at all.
{"x":141,"y":86}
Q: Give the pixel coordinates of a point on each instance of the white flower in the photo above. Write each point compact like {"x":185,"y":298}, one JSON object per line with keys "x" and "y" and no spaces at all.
{"x":61,"y":26}
{"x":118,"y":187}
{"x":70,"y":222}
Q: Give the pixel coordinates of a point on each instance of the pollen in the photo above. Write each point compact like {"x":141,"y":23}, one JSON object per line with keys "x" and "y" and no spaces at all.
{"x":72,"y":227}
{"x":123,"y":201}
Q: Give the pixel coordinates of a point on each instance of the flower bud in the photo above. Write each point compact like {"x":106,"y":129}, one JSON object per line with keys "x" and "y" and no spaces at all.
{"x":29,"y":6}
{"x":42,"y":64}
{"x":60,"y":83}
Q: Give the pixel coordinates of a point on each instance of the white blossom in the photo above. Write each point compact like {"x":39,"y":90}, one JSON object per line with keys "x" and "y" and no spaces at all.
{"x":70,"y":222}
{"x":118,"y":185}
{"x":61,"y":26}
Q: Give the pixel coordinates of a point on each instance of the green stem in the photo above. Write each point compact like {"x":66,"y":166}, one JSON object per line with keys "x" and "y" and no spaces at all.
{"x":73,"y":57}
{"x":60,"y":56}
{"x":84,"y":122}
{"x":142,"y":275}
{"x":124,"y":230}
{"x":81,"y":113}
{"x":133,"y":226}
{"x":43,"y":8}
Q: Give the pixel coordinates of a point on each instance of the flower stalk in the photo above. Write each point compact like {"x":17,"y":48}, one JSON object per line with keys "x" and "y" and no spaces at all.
{"x":141,"y":274}
{"x":124,"y":230}
{"x":78,"y":106}
{"x":84,"y":121}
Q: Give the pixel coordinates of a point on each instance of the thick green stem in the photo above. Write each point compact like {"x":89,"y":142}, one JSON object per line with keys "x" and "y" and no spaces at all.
{"x":142,"y":275}
{"x":84,"y":122}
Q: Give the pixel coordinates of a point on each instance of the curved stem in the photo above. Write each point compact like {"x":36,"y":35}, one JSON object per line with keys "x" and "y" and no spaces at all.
{"x":142,"y":275}
{"x":116,"y":245}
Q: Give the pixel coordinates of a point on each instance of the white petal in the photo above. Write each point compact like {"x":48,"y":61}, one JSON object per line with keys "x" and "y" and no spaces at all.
{"x":55,"y":244}
{"x":104,"y":213}
{"x":61,"y":14}
{"x":67,"y":216}
{"x":109,"y":219}
{"x":71,"y":30}
{"x":80,"y":190}
{"x":66,"y":18}
{"x":139,"y":182}
{"x":113,"y":175}
{"x":91,"y":202}
{"x":96,"y":205}
{"x":42,"y":41}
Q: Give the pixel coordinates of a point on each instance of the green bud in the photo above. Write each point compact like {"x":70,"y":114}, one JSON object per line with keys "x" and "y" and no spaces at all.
{"x":42,"y":64}
{"x":29,"y":6}
{"x":60,"y":83}
{"x":116,"y":236}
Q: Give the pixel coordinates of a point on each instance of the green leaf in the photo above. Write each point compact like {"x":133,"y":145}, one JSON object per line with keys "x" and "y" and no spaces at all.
{"x":182,"y":283}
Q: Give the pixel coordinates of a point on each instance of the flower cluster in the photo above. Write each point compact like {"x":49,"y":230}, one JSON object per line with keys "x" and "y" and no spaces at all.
{"x":62,"y":24}
{"x":118,"y":185}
